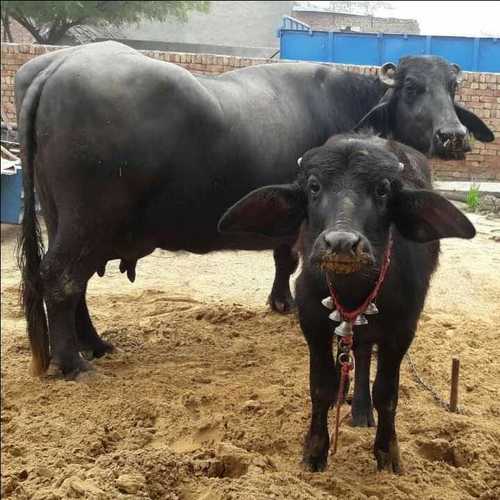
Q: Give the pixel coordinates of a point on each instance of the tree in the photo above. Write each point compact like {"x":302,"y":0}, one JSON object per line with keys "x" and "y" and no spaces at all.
{"x":49,"y":21}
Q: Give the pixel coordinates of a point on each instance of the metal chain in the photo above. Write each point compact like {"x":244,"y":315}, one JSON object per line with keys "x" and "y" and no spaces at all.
{"x":431,"y":389}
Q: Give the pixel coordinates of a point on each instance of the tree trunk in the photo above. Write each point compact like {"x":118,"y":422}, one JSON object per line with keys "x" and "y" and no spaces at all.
{"x":7,"y":35}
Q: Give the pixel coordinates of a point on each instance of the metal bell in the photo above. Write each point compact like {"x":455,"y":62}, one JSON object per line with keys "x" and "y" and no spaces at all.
{"x":328,"y":302}
{"x":371,"y":309}
{"x":335,"y":316}
{"x":361,"y":320}
{"x":344,"y":329}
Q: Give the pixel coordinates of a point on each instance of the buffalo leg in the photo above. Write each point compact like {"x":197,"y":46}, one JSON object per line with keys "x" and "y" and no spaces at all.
{"x":286,"y":261}
{"x":65,"y":270}
{"x":362,"y":409}
{"x":323,"y":379}
{"x":385,"y":399}
{"x":323,"y":384}
{"x":88,"y":339}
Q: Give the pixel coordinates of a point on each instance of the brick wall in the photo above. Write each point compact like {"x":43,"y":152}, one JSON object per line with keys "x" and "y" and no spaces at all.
{"x":479,"y":92}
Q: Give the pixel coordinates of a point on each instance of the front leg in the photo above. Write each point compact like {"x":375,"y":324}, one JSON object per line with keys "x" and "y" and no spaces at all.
{"x":385,"y":399}
{"x":323,"y":380}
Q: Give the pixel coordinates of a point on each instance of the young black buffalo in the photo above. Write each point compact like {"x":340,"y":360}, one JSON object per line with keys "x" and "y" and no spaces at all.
{"x":352,"y":197}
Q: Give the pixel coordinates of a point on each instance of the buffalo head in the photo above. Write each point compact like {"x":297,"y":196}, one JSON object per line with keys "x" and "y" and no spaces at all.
{"x":348,"y":194}
{"x":419,"y":108}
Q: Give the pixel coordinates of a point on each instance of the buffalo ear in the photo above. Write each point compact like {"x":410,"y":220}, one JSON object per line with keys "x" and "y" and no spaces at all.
{"x":378,"y":117}
{"x":425,"y":216}
{"x":274,"y":211}
{"x":478,"y":128}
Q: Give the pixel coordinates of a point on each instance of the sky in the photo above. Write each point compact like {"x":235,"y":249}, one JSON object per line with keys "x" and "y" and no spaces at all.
{"x":448,"y":18}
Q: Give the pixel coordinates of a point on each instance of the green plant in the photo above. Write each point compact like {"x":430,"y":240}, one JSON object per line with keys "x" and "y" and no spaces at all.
{"x":473,"y":196}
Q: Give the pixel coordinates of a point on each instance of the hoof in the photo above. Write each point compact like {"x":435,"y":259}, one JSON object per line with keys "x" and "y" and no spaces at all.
{"x":362,"y":418}
{"x":97,"y":350}
{"x":314,"y":464}
{"x":389,"y":460}
{"x":103,"y":348}
{"x":316,"y":453}
{"x":282,"y":305}
{"x":68,"y":368}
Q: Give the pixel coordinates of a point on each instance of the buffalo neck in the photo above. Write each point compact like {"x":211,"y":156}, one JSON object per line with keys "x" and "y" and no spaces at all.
{"x":352,"y":95}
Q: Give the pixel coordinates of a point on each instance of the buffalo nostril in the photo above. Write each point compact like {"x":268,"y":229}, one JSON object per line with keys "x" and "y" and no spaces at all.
{"x":342,"y":242}
{"x":451,"y":137}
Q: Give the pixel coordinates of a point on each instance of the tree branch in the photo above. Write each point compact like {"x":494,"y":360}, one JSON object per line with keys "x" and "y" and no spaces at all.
{"x":25,"y":23}
{"x":7,"y":35}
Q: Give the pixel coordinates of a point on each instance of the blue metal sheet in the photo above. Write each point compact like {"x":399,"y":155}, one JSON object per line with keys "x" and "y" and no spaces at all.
{"x":398,"y":46}
{"x":303,"y":46}
{"x":454,"y":49}
{"x":11,"y":198}
{"x":359,"y":48}
{"x":489,"y":55}
{"x":472,"y":54}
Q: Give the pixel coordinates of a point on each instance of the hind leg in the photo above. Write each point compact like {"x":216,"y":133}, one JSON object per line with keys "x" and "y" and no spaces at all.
{"x":286,"y":261}
{"x":65,"y":270}
{"x":88,"y":339}
{"x":362,"y":408}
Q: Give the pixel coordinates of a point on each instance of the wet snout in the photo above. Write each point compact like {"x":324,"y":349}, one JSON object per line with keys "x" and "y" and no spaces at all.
{"x":451,"y":142}
{"x":342,"y":252}
{"x":342,"y":243}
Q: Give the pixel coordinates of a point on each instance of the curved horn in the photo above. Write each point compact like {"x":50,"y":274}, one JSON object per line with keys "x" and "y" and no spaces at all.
{"x":386,"y":74}
{"x":299,"y":161}
{"x":458,"y":71}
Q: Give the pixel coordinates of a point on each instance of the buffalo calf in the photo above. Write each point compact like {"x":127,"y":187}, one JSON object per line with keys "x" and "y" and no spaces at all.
{"x":361,"y":203}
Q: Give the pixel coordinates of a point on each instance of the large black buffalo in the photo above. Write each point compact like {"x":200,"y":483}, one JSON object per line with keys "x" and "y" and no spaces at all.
{"x":367,"y":212}
{"x":129,"y":154}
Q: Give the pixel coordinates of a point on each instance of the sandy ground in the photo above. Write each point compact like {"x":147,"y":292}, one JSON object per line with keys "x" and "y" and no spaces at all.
{"x":207,"y":397}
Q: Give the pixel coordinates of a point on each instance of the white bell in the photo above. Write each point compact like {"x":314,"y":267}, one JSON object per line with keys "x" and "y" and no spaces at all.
{"x":371,"y":309}
{"x":335,"y":316}
{"x":328,"y":302}
{"x":361,"y":320}
{"x":344,"y":329}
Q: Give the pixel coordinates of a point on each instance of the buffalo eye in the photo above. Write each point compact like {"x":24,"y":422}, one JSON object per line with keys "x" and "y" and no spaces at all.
{"x":313,"y":186}
{"x":383,"y":189}
{"x":453,"y":87}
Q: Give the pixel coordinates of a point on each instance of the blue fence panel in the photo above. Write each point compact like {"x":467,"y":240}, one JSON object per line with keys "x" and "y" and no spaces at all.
{"x":304,"y":46}
{"x":397,"y":46}
{"x":472,"y":54}
{"x":455,"y":49}
{"x":488,"y":55}
{"x":348,"y":48}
